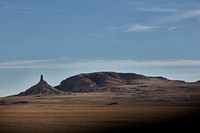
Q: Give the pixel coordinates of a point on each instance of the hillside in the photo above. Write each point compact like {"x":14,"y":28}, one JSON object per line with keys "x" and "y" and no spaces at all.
{"x":121,"y":82}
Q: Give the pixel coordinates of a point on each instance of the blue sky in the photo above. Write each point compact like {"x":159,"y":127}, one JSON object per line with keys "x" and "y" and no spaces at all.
{"x":60,"y":38}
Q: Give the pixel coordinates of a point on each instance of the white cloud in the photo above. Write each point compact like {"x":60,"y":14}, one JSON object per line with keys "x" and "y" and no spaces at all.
{"x":159,"y":10}
{"x":26,"y":64}
{"x":139,"y":28}
{"x":166,"y":16}
{"x":8,"y":7}
{"x":174,"y":15}
{"x":96,"y":64}
{"x":180,"y":16}
{"x":134,"y":28}
{"x":173,"y":28}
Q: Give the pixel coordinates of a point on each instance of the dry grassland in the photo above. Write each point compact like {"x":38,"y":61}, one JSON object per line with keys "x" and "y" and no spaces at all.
{"x":89,"y":113}
{"x":76,"y":119}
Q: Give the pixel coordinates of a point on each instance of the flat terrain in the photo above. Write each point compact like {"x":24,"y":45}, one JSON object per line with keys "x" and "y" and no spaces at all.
{"x":91,"y":112}
{"x":72,"y":119}
{"x":139,"y":98}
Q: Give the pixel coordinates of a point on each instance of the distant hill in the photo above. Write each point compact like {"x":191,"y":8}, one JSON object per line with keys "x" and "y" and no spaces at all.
{"x":117,"y":88}
{"x":120,"y":82}
{"x":112,"y":82}
{"x":99,"y":81}
{"x":42,"y":87}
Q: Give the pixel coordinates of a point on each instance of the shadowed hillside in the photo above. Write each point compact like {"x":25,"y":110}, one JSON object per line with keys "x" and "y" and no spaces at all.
{"x":121,"y":82}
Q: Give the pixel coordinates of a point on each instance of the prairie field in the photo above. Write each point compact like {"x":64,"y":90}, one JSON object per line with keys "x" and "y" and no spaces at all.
{"x":84,"y":113}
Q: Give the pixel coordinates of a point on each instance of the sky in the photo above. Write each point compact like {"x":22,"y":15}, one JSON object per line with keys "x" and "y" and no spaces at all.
{"x":62,"y":38}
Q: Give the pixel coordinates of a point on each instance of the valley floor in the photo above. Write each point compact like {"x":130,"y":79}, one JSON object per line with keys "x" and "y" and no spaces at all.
{"x":78,"y":118}
{"x":94,"y":112}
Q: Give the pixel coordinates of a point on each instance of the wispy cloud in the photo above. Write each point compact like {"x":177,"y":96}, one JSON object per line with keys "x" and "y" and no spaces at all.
{"x":169,"y":13}
{"x":7,"y":7}
{"x":134,"y":28}
{"x":96,"y":64}
{"x":186,"y":15}
{"x":139,"y":28}
{"x":173,"y":28}
{"x":26,"y":64}
{"x":159,"y":15}
{"x":159,"y":10}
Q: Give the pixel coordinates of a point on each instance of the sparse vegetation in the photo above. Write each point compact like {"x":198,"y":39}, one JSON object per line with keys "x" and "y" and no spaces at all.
{"x":59,"y":118}
{"x":112,"y":103}
{"x":20,"y":102}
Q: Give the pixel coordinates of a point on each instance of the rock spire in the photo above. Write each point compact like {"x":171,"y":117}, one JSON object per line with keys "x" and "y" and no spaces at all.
{"x":41,"y":78}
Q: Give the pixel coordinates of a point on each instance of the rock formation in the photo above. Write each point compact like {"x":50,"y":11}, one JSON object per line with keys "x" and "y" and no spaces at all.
{"x":42,"y":87}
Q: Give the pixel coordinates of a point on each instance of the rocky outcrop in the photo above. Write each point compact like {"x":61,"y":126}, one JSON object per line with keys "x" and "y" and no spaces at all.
{"x":42,"y":87}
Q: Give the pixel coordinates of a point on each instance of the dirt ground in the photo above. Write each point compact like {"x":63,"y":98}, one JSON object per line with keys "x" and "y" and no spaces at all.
{"x":59,"y":118}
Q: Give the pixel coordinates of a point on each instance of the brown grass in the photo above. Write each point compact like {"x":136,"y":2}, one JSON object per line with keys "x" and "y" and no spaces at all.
{"x":72,"y":119}
{"x":88,"y":112}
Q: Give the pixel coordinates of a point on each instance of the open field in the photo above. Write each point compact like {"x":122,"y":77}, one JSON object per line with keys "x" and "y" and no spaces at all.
{"x":72,"y":119}
{"x":173,"y":98}
{"x":89,"y":112}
